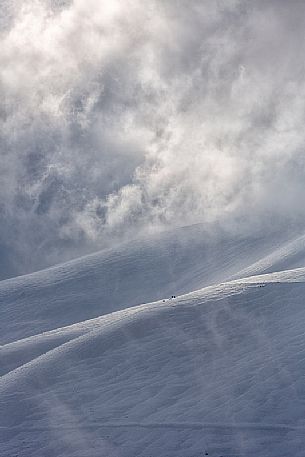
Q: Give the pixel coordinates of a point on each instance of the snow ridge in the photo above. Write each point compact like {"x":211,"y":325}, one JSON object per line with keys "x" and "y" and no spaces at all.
{"x":217,"y":370}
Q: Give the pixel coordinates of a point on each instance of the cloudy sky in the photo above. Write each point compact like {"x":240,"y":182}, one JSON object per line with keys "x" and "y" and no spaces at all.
{"x":120,"y":118}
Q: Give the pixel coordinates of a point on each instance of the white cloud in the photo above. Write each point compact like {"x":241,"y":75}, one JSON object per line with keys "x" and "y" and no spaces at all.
{"x":120,"y":117}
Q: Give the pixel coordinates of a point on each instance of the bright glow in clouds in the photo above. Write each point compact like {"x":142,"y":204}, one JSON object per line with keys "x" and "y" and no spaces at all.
{"x":122,"y":117}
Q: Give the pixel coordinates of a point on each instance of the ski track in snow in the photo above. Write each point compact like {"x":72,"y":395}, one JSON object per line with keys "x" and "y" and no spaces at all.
{"x":218,"y":370}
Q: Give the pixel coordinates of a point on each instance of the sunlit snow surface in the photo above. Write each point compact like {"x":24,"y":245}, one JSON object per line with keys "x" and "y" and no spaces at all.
{"x":219,"y":370}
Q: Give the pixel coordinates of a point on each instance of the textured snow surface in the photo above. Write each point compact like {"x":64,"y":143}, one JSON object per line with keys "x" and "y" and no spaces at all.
{"x":217,"y":370}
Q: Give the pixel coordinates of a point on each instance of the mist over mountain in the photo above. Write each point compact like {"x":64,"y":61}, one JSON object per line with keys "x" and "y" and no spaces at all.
{"x":152,"y":228}
{"x":119,"y":119}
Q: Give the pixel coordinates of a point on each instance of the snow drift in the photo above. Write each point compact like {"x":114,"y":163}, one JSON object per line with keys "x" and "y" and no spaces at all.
{"x":217,"y":370}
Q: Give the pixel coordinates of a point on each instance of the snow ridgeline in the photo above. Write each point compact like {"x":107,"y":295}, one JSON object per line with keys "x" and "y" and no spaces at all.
{"x":218,"y":371}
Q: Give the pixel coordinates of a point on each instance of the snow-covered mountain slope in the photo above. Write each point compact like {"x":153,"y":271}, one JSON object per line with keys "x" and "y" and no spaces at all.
{"x":290,"y":255}
{"x":218,"y":370}
{"x":142,"y":271}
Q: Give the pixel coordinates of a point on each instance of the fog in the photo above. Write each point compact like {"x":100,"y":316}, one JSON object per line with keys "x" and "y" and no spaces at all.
{"x":123,"y":118}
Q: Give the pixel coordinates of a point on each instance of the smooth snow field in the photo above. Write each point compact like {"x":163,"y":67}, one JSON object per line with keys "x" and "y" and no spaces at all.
{"x":98,"y":361}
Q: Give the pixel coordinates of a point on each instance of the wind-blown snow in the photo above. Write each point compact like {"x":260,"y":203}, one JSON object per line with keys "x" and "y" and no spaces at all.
{"x":125,"y":120}
{"x":149,"y":269}
{"x":217,"y":370}
{"x":124,"y":117}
